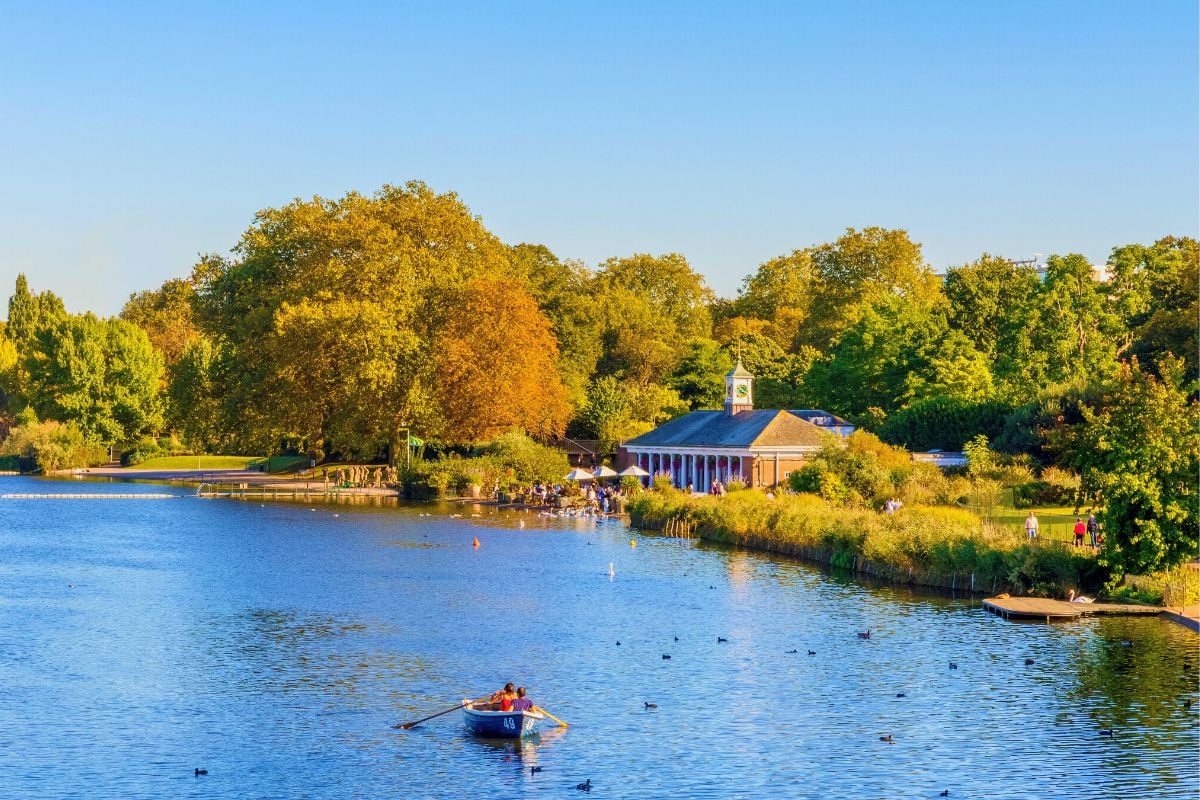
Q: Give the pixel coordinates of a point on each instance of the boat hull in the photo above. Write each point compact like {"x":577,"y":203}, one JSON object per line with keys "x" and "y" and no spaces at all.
{"x":501,"y":724}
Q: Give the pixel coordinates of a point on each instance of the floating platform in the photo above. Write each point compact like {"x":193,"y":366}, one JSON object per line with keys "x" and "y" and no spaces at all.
{"x":89,"y":496}
{"x":1050,"y":610}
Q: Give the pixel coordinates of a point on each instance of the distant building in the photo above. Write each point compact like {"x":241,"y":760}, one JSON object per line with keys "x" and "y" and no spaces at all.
{"x":941,"y":459}
{"x":761,"y":447}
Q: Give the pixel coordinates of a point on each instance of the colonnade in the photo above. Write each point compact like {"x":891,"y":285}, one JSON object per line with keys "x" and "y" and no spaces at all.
{"x":697,"y":470}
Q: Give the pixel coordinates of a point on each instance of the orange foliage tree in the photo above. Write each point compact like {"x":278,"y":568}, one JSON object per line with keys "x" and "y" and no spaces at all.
{"x":496,"y":366}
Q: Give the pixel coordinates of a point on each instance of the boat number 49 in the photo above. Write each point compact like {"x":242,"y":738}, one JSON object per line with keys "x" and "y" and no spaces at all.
{"x":508,"y":723}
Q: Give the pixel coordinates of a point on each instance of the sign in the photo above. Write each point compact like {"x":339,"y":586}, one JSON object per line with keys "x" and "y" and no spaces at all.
{"x":415,"y":442}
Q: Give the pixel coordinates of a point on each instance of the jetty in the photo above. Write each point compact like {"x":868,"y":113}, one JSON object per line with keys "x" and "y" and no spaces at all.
{"x":1049,"y":610}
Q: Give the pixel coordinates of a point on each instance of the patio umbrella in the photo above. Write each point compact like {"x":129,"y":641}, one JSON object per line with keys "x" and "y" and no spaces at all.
{"x":635,"y":471}
{"x":578,"y":475}
{"x":605,"y":472}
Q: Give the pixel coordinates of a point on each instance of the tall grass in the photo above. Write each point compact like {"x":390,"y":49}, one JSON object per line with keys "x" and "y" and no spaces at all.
{"x":929,"y":545}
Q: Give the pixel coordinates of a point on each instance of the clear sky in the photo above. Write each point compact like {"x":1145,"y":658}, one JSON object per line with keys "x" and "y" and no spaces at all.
{"x":135,"y":136}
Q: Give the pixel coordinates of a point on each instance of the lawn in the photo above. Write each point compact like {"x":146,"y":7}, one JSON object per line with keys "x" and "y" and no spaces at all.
{"x":195,"y":462}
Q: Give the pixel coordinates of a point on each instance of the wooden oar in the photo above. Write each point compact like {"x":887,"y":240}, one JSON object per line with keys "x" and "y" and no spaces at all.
{"x":408,"y":725}
{"x":551,"y":716}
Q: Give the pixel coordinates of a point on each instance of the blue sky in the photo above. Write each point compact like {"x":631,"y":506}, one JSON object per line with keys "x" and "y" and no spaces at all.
{"x":135,"y":136}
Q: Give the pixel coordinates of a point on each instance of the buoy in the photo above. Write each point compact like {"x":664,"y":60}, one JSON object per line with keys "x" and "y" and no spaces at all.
{"x":633,"y":542}
{"x":475,"y":542}
{"x":611,"y":571}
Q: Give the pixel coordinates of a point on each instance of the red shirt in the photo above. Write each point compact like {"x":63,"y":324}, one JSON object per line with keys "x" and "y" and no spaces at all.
{"x":506,"y":703}
{"x":1079,"y":528}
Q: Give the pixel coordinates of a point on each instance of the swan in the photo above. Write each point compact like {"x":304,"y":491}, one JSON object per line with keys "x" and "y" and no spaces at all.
{"x":1072,"y":598}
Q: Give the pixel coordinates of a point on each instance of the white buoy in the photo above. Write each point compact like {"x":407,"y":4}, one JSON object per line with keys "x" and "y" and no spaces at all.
{"x":611,"y":571}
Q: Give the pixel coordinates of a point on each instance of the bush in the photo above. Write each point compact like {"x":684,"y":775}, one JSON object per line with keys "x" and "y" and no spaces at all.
{"x":50,"y":446}
{"x":944,"y":423}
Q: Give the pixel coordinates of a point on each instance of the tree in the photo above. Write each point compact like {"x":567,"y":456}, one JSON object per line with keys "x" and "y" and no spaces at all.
{"x":862,"y":270}
{"x":165,"y":314}
{"x":1074,"y":337}
{"x":194,"y":398}
{"x":1153,"y":291}
{"x":328,"y":313}
{"x":896,"y":354}
{"x":988,"y":298}
{"x":496,"y":366}
{"x":1138,"y":454}
{"x":103,"y":375}
{"x":779,"y":293}
{"x":700,"y":377}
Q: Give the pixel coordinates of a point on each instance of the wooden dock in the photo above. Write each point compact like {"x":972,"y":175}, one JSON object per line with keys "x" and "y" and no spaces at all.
{"x":1050,"y":610}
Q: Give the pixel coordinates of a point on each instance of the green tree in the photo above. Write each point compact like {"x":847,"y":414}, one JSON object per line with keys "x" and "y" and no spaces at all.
{"x":860,"y":271}
{"x":102,"y":374}
{"x":700,"y":377}
{"x":1138,"y":453}
{"x":1075,"y":336}
{"x":1153,"y":291}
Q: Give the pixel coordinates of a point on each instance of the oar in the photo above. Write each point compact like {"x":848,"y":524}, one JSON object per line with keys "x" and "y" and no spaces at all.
{"x":414,"y":723}
{"x":551,"y":716}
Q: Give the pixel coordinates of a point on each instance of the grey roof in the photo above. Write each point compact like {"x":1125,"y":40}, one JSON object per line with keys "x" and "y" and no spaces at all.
{"x":818,"y":417}
{"x":758,"y":428}
{"x":738,"y":372}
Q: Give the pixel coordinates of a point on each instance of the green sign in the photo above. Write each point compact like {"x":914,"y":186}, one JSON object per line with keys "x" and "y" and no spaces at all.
{"x":415,"y":442}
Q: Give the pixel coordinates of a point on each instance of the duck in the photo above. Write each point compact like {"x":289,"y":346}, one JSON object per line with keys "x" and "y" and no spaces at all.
{"x":944,"y":794}
{"x":866,"y":635}
{"x":618,"y":644}
{"x":677,"y":638}
{"x":1073,"y":598}
{"x":1029,"y":662}
{"x":666,"y":657}
{"x":586,"y":786}
{"x":651,"y":705}
{"x":887,"y":738}
{"x":792,"y":651}
{"x":953,"y":665}
{"x":812,"y":652}
{"x":198,"y":772}
{"x":532,"y":770}
{"x":1106,"y":731}
{"x":721,"y":640}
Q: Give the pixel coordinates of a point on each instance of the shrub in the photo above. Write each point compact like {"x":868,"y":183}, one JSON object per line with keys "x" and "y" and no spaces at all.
{"x":50,"y":446}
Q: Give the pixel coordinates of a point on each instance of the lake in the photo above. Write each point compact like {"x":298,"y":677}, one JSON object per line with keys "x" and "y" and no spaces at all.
{"x":276,"y":645}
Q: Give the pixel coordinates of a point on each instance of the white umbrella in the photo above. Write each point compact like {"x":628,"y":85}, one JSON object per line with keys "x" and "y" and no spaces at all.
{"x":635,"y":471}
{"x":605,"y":472}
{"x":578,"y":475}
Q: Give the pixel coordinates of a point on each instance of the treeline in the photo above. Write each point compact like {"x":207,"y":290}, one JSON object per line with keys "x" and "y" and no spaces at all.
{"x":338,"y":327}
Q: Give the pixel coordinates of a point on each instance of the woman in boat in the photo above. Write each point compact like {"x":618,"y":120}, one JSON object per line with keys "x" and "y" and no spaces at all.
{"x":503,"y":699}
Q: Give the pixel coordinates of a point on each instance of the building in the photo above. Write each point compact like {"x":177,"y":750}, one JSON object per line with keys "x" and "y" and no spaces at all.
{"x":760,"y":446}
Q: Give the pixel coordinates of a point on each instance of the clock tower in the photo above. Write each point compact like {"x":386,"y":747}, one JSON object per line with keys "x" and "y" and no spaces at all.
{"x":738,"y":393}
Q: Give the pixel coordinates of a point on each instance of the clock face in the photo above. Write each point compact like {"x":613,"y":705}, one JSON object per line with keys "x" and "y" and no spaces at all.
{"x":742,"y":390}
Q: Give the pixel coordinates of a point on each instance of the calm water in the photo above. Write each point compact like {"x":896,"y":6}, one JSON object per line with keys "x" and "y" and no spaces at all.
{"x":275,"y":646}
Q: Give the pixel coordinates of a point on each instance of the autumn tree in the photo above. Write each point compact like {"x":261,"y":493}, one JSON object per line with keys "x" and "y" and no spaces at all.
{"x":165,"y":314}
{"x":496,"y":366}
{"x":780,"y":293}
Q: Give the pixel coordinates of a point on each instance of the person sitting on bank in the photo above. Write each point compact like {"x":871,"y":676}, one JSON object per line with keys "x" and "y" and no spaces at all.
{"x":522,"y":703}
{"x":503,"y":699}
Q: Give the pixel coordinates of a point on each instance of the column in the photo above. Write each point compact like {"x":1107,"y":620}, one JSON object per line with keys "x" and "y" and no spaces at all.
{"x":707,"y":475}
{"x":742,"y":469}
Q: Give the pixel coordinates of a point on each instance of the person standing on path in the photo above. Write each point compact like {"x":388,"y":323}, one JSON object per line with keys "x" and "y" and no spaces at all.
{"x":1093,"y":529}
{"x":1079,"y":531}
{"x":1031,"y":526}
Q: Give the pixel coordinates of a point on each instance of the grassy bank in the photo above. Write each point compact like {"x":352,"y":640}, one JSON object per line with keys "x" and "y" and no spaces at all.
{"x":195,"y":462}
{"x":930,"y":546}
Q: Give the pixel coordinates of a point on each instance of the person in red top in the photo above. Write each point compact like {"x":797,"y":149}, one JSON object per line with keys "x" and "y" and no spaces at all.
{"x":1080,"y":529}
{"x":522,"y":703}
{"x":503,"y":699}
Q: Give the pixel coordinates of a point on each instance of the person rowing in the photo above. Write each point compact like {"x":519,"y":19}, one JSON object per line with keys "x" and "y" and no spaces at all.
{"x":503,"y":699}
{"x":523,"y":703}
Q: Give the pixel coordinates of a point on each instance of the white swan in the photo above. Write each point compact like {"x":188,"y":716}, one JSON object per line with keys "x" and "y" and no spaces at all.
{"x":1080,"y":599}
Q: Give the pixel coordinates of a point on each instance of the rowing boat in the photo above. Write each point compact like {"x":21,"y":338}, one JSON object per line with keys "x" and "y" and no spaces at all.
{"x":499,"y":724}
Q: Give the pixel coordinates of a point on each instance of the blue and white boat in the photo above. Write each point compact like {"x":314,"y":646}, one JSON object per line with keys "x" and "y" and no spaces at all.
{"x":499,"y":724}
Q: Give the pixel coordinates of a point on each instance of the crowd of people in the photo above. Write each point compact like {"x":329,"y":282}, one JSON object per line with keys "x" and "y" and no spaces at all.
{"x":603,"y":498}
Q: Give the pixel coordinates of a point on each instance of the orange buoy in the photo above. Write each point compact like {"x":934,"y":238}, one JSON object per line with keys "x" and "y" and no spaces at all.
{"x":475,"y":542}
{"x":633,"y":542}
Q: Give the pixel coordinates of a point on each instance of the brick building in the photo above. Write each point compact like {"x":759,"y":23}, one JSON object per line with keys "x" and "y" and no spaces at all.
{"x":760,"y":446}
